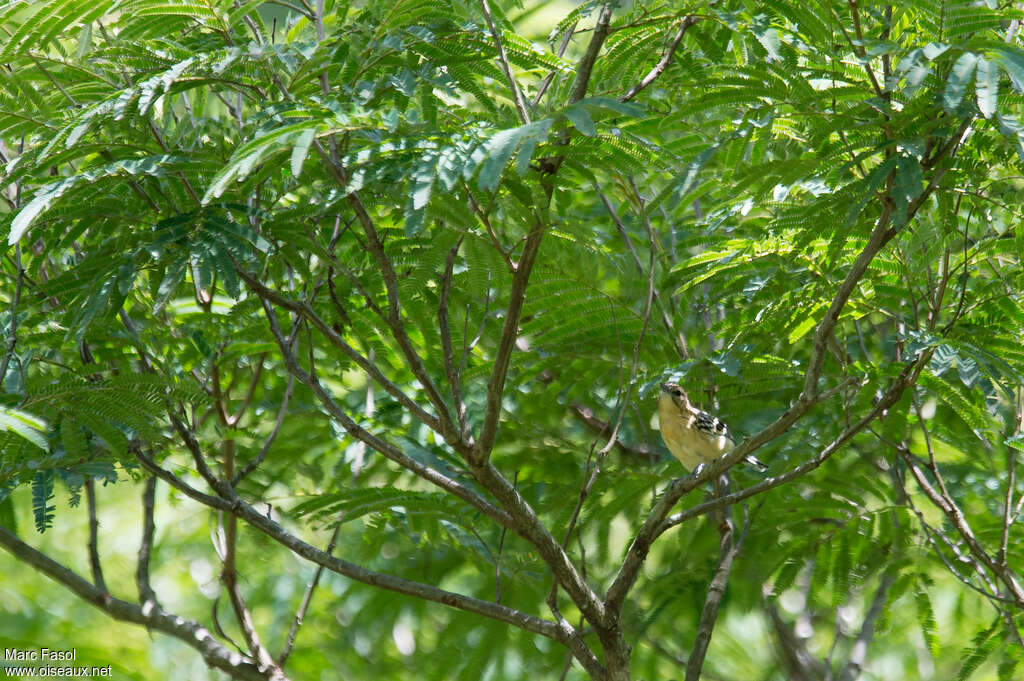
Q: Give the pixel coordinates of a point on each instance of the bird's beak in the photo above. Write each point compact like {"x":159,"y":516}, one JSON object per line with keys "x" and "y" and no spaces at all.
{"x":664,"y":387}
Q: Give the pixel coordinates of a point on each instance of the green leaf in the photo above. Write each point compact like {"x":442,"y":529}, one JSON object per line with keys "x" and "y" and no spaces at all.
{"x":959,"y":79}
{"x":984,"y":642}
{"x":579,"y":117}
{"x":871,"y":185}
{"x":301,"y":150}
{"x":25,"y":425}
{"x":809,"y":320}
{"x":42,"y":494}
{"x":1012,"y":61}
{"x":500,"y":148}
{"x":972,"y":414}
{"x":926,"y":618}
{"x":987,"y":86}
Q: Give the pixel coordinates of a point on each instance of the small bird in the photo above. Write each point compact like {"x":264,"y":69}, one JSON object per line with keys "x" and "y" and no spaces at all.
{"x":693,"y":436}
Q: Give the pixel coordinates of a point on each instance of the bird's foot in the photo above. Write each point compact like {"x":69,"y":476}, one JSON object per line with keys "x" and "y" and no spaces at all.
{"x":694,"y":474}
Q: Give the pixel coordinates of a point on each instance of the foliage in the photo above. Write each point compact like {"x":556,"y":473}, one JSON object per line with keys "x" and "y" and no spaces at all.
{"x":401,"y":279}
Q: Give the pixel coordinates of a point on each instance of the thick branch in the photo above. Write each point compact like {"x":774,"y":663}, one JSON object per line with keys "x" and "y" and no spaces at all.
{"x":880,"y":236}
{"x":245,"y":512}
{"x":729,"y":547}
{"x":146,"y":593}
{"x":586,"y":65}
{"x":496,"y":384}
{"x":179,"y":484}
{"x":149,"y":616}
{"x":94,"y":526}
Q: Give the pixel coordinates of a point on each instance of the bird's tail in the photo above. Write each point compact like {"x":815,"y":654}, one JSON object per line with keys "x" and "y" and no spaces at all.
{"x":752,"y":460}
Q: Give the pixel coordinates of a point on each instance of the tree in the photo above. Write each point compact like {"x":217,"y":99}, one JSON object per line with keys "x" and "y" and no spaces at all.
{"x":391,"y":287}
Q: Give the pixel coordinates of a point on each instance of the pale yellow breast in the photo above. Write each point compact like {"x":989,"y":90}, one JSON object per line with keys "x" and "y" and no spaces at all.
{"x":686,"y":444}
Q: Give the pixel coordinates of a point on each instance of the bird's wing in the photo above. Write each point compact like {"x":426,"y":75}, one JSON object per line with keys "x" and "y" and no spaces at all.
{"x":712,"y":426}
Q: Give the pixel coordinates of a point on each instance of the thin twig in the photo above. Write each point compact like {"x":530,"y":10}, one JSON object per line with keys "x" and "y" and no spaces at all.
{"x":155,"y":618}
{"x":621,"y":227}
{"x":12,"y":333}
{"x":859,"y":652}
{"x":506,"y":344}
{"x":546,"y":83}
{"x":663,"y":63}
{"x":444,"y":323}
{"x":236,"y":418}
{"x":587,"y":417}
{"x":307,"y":598}
{"x":252,"y":465}
{"x":956,"y":517}
{"x":506,"y":67}
{"x":729,"y":547}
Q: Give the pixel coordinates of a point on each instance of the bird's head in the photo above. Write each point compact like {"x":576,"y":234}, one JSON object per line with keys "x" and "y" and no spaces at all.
{"x":673,"y":393}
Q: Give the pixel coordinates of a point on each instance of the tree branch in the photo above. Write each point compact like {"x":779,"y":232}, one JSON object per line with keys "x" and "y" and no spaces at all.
{"x":306,"y":311}
{"x":663,"y":63}
{"x":586,"y":65}
{"x":444,"y":323}
{"x":94,"y":526}
{"x":852,"y":668}
{"x":281,"y":413}
{"x":509,"y":331}
{"x":387,"y":449}
{"x":506,"y":67}
{"x":149,"y":616}
{"x":426,"y":592}
{"x":729,"y":547}
{"x":146,"y":594}
{"x":394,"y":320}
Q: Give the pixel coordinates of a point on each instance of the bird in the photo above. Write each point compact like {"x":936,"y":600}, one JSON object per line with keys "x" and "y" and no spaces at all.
{"x":693,"y":436}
